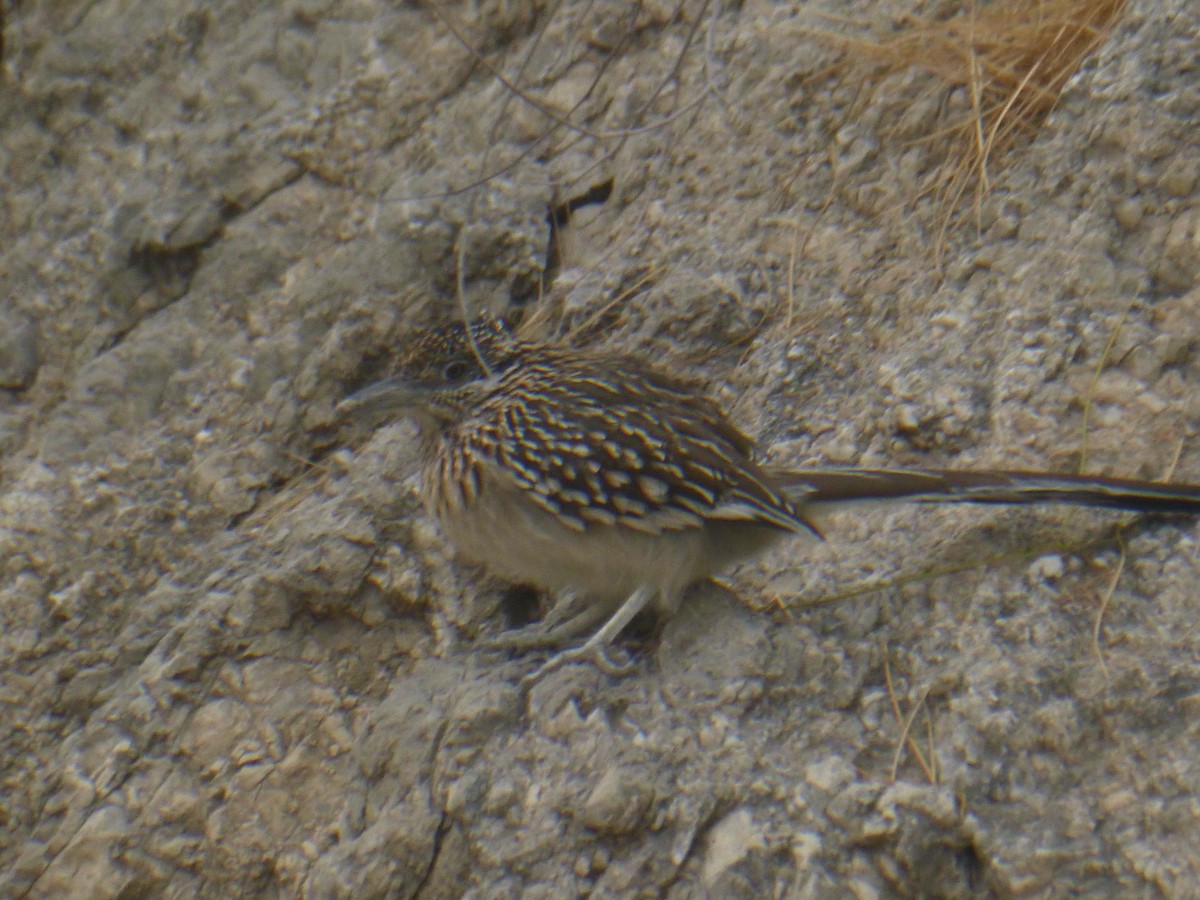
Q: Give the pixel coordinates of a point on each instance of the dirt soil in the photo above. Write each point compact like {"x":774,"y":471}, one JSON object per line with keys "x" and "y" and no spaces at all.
{"x":237,"y":658}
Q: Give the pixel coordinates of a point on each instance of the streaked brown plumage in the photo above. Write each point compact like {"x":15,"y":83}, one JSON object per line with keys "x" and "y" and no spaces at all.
{"x":604,"y":480}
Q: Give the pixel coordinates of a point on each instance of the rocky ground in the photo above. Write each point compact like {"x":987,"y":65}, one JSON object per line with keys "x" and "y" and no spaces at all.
{"x":239,"y":661}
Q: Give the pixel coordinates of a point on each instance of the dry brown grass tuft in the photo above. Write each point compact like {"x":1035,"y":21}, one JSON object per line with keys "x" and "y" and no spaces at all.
{"x":1011,"y":60}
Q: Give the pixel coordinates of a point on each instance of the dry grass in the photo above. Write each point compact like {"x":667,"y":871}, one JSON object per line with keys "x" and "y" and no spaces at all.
{"x":1009,"y":58}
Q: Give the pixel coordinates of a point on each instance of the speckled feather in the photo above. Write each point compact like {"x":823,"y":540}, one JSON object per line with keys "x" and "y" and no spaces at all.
{"x":593,"y":442}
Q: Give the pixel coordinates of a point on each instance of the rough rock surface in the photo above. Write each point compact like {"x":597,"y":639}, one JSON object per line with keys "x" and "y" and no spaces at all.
{"x":236,"y":660}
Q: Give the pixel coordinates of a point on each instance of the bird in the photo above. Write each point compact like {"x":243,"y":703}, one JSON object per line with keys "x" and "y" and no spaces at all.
{"x":614,"y":485}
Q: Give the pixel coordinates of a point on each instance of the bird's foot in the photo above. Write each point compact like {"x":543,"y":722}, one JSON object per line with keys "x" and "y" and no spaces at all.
{"x":597,"y":654}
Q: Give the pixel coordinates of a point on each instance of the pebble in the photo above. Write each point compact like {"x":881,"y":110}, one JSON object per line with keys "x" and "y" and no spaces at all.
{"x":1048,"y":568}
{"x":1180,"y":178}
{"x":1129,"y":213}
{"x":18,"y":353}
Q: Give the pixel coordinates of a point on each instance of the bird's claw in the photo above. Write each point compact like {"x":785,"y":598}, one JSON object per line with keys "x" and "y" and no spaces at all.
{"x":597,"y":655}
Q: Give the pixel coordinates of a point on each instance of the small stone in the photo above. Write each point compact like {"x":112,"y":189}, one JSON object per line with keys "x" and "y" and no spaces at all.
{"x":829,"y":774}
{"x":620,"y":802}
{"x":501,"y":797}
{"x":805,"y":846}
{"x":483,"y":709}
{"x":1180,"y":178}
{"x":1006,"y":224}
{"x":1179,"y":264}
{"x":18,"y":353}
{"x":729,"y":842}
{"x":1129,"y":213}
{"x":465,"y":794}
{"x":1047,"y":568}
{"x":908,"y":420}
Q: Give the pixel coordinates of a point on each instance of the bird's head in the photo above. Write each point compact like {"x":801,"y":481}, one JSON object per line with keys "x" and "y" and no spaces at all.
{"x":445,"y":373}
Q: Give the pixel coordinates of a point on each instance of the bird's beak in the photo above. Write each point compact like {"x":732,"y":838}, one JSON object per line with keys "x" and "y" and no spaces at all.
{"x":381,"y":401}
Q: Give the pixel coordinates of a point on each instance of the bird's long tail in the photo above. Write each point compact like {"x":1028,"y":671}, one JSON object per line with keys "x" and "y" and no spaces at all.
{"x":826,"y":487}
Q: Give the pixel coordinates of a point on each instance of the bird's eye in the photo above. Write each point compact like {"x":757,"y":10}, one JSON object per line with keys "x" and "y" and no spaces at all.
{"x":454,"y":370}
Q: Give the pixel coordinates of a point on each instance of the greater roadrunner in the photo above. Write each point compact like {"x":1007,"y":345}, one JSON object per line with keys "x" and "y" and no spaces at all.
{"x":615,"y":486}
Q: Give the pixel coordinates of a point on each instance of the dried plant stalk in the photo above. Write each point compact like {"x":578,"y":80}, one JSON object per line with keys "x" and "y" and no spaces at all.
{"x":1012,"y":59}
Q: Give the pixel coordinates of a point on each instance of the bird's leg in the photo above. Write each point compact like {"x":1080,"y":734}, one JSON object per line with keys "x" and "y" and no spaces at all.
{"x":566,"y":620}
{"x":563,"y":611}
{"x":594,"y":649}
